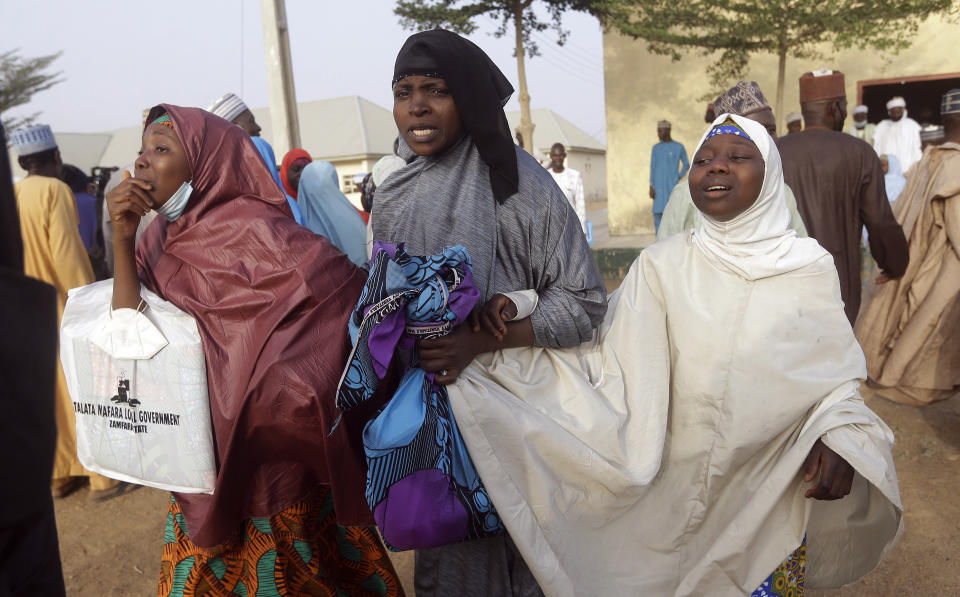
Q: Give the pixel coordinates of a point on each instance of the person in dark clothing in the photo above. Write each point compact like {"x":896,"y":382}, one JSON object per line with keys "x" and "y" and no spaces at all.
{"x":839,"y":185}
{"x":29,"y":551}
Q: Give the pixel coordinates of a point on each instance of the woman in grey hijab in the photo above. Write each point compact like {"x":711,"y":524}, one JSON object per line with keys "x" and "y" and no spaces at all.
{"x":465,"y":182}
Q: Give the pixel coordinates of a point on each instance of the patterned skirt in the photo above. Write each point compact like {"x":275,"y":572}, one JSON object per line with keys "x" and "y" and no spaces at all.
{"x":787,"y":579}
{"x":300,"y":551}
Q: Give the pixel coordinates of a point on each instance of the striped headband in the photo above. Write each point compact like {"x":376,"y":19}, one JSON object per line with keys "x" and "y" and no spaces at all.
{"x":164,"y":120}
{"x":728,"y":128}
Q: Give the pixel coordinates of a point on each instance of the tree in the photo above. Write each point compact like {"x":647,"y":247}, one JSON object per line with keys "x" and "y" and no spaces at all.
{"x":20,"y":78}
{"x":459,"y":16}
{"x":786,"y":28}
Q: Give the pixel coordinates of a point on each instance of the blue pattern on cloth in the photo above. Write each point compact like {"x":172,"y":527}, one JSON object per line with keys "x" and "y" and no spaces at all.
{"x":414,"y":441}
{"x":728,"y":128}
{"x":789,"y":578}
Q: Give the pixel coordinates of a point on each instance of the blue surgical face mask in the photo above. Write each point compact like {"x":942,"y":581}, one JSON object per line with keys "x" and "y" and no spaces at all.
{"x":860,"y":125}
{"x":177,"y":202}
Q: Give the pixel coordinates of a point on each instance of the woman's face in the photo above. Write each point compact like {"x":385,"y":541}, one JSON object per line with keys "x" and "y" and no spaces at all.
{"x":426,"y":114}
{"x":162,"y":162}
{"x":726,"y":176}
{"x":294,"y":172}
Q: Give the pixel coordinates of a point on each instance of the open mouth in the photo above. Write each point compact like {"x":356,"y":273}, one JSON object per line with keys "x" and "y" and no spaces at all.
{"x":424,"y":133}
{"x":717,"y":187}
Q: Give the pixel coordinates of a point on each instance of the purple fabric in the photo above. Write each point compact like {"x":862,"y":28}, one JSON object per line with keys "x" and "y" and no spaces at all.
{"x":421,"y":511}
{"x":388,"y":248}
{"x":465,"y":297}
{"x":383,"y":339}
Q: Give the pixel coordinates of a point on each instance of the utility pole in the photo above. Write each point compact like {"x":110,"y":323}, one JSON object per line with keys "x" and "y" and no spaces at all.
{"x":283,"y":100}
{"x":526,"y":123}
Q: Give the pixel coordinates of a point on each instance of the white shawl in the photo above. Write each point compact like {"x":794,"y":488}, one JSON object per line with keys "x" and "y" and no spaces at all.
{"x":663,"y":458}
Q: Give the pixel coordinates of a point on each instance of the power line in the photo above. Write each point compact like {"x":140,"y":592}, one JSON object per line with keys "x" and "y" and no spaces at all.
{"x":591,"y":68}
{"x":567,"y":52}
{"x":586,"y":74}
{"x":586,"y":78}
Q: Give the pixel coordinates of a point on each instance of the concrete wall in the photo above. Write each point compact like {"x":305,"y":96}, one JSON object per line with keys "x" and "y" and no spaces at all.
{"x":642,"y":88}
{"x":593,"y":168}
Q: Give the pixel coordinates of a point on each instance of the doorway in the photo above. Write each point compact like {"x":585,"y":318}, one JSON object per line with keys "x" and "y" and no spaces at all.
{"x":922,"y":94}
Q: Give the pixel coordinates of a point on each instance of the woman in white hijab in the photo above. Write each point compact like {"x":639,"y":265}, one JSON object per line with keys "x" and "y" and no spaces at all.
{"x":706,"y":436}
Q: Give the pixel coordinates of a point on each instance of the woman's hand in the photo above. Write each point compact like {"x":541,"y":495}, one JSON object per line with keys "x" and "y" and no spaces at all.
{"x":127,"y":203}
{"x":449,"y":355}
{"x":494,"y":315}
{"x":836,"y":474}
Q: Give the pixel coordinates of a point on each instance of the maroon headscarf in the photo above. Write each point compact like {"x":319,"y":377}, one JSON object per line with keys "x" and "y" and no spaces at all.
{"x":272,"y":301}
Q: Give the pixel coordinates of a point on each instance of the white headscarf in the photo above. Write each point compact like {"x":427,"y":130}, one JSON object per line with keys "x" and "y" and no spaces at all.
{"x":758,"y":243}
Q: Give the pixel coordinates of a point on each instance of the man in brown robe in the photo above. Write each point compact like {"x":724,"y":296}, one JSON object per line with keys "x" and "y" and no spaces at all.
{"x":838,"y":182}
{"x":910,"y":330}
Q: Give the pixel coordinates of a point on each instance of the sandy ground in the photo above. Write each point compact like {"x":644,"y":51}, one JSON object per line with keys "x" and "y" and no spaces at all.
{"x":113,"y":548}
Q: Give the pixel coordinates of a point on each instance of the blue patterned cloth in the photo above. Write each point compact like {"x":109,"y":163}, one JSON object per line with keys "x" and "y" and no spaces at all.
{"x":421,"y":484}
{"x":789,"y":577}
{"x":728,"y":128}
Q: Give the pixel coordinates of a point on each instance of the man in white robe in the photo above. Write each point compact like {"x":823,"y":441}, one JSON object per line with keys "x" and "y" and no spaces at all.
{"x":898,"y":135}
{"x":861,"y":129}
{"x":569,"y":181}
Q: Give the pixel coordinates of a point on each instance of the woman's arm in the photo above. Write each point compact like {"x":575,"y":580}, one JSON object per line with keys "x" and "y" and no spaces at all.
{"x":127,"y":203}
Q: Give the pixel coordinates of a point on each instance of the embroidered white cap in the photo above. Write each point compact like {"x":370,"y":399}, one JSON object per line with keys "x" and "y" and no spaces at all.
{"x":228,"y":107}
{"x":33,"y":139}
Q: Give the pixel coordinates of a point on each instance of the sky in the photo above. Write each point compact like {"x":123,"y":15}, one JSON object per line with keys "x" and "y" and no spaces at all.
{"x":122,"y":56}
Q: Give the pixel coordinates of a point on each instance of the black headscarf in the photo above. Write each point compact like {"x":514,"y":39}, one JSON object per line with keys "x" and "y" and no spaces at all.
{"x":11,"y":246}
{"x":479,"y":89}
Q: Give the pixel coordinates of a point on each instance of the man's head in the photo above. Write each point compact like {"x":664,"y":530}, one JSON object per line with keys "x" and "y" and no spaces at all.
{"x":823,"y":99}
{"x":794,"y":122}
{"x":75,"y":178}
{"x":230,"y":107}
{"x":37,"y":150}
{"x":663,"y":130}
{"x":896,"y":108}
{"x":746,"y":99}
{"x":558,"y":153}
{"x":950,"y":115}
{"x":860,"y":116}
{"x":931,"y":135}
{"x":885,"y":163}
{"x":248,"y":123}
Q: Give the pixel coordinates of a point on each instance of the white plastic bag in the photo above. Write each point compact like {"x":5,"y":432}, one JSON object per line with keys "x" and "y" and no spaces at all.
{"x":138,"y":382}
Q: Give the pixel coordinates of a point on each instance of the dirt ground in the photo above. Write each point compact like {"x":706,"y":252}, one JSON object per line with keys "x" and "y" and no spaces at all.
{"x":113,"y":548}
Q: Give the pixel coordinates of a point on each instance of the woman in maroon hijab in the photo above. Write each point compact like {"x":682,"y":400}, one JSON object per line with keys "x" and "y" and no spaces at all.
{"x":271,"y":301}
